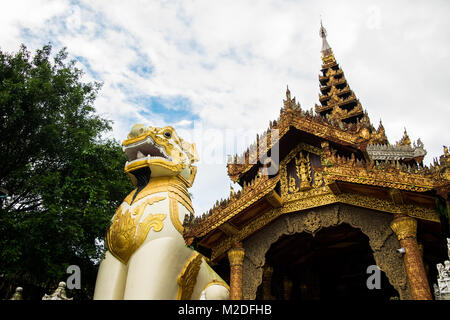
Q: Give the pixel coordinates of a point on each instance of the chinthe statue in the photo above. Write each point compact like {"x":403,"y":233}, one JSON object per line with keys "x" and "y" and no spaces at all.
{"x":146,"y":255}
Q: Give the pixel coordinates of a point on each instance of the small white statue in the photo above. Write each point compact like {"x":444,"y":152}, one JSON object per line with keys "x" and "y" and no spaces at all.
{"x":442,"y":289}
{"x":440,"y":268}
{"x":447,"y":268}
{"x":59,"y":294}
{"x":18,"y":294}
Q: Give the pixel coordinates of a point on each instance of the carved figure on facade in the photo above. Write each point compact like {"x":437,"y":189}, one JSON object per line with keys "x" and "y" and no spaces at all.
{"x":291,"y":185}
{"x":303,"y":168}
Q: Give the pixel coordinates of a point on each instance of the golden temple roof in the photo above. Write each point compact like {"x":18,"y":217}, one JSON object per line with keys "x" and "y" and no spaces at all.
{"x":354,"y":164}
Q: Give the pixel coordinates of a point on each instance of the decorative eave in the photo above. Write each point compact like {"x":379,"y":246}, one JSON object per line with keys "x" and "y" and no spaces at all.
{"x":336,"y":92}
{"x":387,"y":174}
{"x":355,"y":135}
{"x":262,"y":187}
{"x":384,"y":152}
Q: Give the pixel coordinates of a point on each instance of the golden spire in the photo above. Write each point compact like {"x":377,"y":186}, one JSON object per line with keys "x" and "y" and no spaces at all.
{"x":405,"y":141}
{"x":338,"y":101}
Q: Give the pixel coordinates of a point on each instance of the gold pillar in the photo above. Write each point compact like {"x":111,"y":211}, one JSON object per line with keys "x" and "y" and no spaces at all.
{"x":236,"y":258}
{"x":406,"y":228}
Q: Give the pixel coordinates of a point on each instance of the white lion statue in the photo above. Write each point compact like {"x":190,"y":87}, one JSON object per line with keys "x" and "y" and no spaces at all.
{"x":147,"y":257}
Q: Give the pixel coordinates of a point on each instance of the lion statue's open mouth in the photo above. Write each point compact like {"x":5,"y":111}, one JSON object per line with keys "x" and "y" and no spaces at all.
{"x":161,"y":150}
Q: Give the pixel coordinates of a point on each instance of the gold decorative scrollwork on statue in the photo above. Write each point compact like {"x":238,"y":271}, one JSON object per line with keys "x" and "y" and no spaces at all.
{"x":174,"y":217}
{"x":127,"y":232}
{"x":188,"y":277}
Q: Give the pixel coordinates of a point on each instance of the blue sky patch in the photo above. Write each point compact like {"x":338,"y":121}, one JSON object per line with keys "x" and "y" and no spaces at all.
{"x":171,"y":109}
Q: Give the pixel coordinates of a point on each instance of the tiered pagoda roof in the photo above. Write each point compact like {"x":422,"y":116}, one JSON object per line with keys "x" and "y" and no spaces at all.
{"x":337,"y":100}
{"x":354,"y":163}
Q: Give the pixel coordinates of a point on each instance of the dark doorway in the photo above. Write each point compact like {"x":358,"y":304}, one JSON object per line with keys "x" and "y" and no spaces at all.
{"x":328,"y":266}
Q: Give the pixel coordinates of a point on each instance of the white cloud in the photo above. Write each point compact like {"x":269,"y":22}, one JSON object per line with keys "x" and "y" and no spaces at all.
{"x":233,"y":60}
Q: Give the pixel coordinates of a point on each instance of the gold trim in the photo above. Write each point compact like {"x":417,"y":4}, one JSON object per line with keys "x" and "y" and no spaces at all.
{"x":250,"y":193}
{"x":188,"y":277}
{"x":236,"y":256}
{"x":216,"y":282}
{"x":390,"y":174}
{"x":161,"y":163}
{"x":174,"y":216}
{"x":126,"y":234}
{"x":183,"y":199}
{"x":404,"y":227}
{"x":173,"y":185}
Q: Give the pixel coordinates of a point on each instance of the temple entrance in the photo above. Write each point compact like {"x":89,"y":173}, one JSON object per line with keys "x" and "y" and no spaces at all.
{"x":330,"y":265}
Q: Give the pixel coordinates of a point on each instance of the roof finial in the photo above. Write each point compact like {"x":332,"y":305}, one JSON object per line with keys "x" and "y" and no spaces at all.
{"x":327,"y":53}
{"x":404,"y":141}
{"x":326,"y":49}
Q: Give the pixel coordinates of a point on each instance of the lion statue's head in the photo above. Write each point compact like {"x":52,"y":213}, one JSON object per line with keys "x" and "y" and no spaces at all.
{"x":160,"y":150}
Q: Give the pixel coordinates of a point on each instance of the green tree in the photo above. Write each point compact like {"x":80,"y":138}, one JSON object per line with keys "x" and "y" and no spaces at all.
{"x":63,"y":180}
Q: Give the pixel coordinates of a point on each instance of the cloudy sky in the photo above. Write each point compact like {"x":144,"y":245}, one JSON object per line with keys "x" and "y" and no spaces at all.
{"x":217,"y":70}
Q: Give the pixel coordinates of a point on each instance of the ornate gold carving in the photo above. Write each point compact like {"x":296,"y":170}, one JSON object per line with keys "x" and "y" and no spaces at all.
{"x":388,"y":174}
{"x":188,"y":277}
{"x":227,"y":209}
{"x":291,"y":185}
{"x":318,"y":180}
{"x":236,"y":256}
{"x":312,"y":222}
{"x":173,"y":185}
{"x":128,"y":232}
{"x":404,"y":227}
{"x":306,"y":122}
{"x":328,"y":59}
{"x":288,"y":187}
{"x":404,"y":141}
{"x":415,"y":270}
{"x":303,"y":167}
{"x":174,"y":216}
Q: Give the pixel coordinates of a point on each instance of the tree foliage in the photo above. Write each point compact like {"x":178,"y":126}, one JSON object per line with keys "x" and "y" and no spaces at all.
{"x":64,"y":181}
